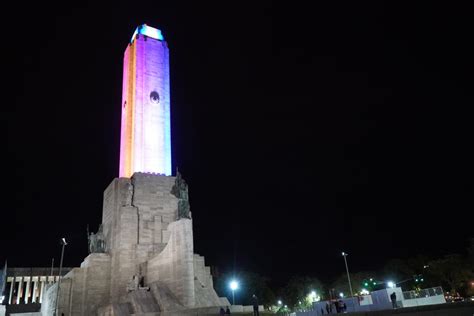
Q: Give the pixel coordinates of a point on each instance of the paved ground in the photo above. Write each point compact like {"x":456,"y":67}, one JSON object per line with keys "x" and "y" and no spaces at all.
{"x":448,"y":309}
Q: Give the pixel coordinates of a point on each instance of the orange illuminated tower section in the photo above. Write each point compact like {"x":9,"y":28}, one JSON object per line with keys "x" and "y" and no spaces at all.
{"x":145,"y":143}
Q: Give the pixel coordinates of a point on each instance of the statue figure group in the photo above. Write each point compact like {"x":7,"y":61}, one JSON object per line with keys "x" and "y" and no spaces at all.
{"x":180,"y":190}
{"x":96,"y":242}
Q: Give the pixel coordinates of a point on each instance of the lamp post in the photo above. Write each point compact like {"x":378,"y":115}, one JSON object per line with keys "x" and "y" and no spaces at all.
{"x":233,"y":286}
{"x":63,"y":243}
{"x":347,"y":270}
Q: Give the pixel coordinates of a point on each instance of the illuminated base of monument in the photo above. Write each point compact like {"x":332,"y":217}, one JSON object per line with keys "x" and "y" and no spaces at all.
{"x":143,"y":238}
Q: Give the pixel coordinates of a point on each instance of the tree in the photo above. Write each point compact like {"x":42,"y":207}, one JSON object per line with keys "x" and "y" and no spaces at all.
{"x":397,"y":269}
{"x":358,"y":280}
{"x":296,"y":293}
{"x":403,"y":272}
{"x":470,"y":251}
{"x":452,"y":271}
{"x":249,"y":283}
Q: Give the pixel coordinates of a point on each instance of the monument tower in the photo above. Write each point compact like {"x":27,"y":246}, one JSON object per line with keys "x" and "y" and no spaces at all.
{"x":142,"y":258}
{"x":145,"y":142}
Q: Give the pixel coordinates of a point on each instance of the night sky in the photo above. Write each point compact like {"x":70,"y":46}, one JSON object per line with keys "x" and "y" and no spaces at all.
{"x":302,"y":131}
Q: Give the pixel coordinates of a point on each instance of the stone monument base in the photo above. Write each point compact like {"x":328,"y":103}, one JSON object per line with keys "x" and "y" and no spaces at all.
{"x":149,"y":266}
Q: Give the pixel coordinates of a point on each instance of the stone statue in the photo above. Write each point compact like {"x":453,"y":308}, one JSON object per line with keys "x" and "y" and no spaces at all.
{"x":100,"y":240}
{"x":92,"y":242}
{"x":180,"y":190}
{"x":96,"y":242}
{"x":128,"y":195}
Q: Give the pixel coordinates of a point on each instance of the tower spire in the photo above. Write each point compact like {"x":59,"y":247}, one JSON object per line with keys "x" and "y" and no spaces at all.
{"x":145,"y":142}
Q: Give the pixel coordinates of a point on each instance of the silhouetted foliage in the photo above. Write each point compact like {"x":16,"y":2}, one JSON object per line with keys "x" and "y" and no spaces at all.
{"x":297,"y":290}
{"x":249,"y":283}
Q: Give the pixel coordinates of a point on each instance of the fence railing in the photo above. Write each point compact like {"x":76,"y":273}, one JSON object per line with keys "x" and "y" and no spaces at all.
{"x":408,"y":295}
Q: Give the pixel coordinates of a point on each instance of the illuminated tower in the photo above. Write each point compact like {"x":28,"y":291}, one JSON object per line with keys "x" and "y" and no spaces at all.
{"x":145,"y":142}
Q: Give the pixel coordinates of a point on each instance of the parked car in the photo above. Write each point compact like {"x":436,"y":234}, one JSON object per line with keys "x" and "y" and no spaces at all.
{"x":453,"y":298}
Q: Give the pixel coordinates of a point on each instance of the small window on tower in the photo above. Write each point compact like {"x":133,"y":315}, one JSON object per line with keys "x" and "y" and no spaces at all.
{"x":154,"y":97}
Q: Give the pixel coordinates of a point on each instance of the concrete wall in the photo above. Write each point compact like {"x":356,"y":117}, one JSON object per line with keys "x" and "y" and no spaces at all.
{"x":136,"y":216}
{"x":83,"y":289}
{"x":431,"y":300}
{"x":203,"y":285}
{"x":174,"y":266}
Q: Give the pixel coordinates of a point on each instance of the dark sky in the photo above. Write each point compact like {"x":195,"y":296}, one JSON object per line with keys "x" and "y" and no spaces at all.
{"x":302,"y":131}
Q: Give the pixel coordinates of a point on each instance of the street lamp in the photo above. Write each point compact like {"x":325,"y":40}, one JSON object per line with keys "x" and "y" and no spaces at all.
{"x":391,"y":284}
{"x":233,"y":286}
{"x":347,"y":270}
{"x":279,"y":302}
{"x":63,"y":243}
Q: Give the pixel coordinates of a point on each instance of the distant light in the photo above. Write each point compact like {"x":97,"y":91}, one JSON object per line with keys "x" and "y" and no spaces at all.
{"x":313,"y":297}
{"x":366,"y":284}
{"x":286,"y":306}
{"x":234,"y":285}
{"x":63,"y":241}
{"x":364,"y":292}
{"x":341,"y":295}
{"x":344,"y":254}
{"x":148,"y":31}
{"x":390,"y":284}
{"x":299,"y":302}
{"x":279,"y":302}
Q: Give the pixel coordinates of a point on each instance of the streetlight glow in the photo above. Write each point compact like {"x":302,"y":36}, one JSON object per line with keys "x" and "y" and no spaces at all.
{"x":390,"y":284}
{"x":234,"y":285}
{"x":279,"y":302}
{"x":341,"y":295}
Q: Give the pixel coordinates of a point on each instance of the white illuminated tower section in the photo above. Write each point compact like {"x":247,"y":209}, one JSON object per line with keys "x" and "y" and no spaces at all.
{"x":145,"y":142}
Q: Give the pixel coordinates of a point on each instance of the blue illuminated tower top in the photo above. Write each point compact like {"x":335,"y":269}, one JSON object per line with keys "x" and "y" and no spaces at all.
{"x":148,"y":31}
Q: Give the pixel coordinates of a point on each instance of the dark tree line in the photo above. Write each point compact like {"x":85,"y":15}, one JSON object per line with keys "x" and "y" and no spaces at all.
{"x":453,"y":272}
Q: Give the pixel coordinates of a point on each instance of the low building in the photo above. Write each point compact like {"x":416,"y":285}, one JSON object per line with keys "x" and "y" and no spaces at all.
{"x":27,"y":285}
